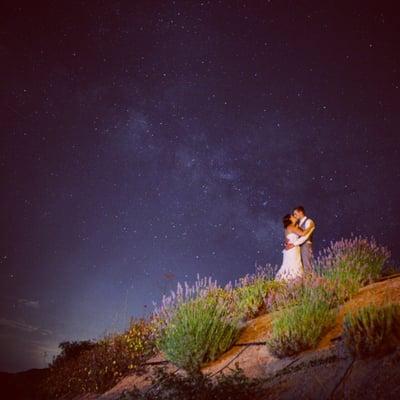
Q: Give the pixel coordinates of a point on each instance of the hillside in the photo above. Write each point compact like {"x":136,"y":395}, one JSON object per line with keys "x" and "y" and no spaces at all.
{"x":327,"y":372}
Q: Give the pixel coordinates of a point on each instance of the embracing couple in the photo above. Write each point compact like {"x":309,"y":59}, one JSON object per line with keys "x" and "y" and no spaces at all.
{"x":298,"y":254}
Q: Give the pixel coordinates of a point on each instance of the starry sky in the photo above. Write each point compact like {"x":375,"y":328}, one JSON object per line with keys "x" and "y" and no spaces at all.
{"x":145,"y":142}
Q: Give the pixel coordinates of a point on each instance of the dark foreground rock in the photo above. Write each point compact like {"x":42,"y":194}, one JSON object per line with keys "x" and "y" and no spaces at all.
{"x":334,"y":374}
{"x":21,"y":385}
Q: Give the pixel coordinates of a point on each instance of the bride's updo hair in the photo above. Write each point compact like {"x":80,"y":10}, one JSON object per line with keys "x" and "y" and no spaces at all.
{"x":286,"y":221}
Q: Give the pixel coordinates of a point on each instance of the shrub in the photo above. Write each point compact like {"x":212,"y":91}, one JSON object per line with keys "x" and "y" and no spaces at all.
{"x":300,"y":326}
{"x":199,"y":331}
{"x":250,"y":298}
{"x":372,"y":330}
{"x":346,"y":282}
{"x":349,"y":264}
{"x":363,"y":256}
{"x":323,"y":288}
{"x":163,"y":314}
{"x":72,"y":350}
{"x":169,"y":386}
{"x":87,"y":366}
{"x":245,"y":296}
{"x":286,"y":294}
{"x":293,"y":292}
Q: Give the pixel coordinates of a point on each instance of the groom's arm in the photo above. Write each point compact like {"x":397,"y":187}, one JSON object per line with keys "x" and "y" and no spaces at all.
{"x":302,"y":239}
{"x":310,"y":224}
{"x":310,"y":228}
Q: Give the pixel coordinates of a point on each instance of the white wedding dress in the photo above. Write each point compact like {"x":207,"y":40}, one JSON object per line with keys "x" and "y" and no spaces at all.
{"x":292,"y":266}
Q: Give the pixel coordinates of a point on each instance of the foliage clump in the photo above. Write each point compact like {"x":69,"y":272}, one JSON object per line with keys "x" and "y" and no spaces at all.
{"x":351,"y":264}
{"x":199,"y":331}
{"x":300,"y":326}
{"x":94,"y":367}
{"x":252,"y":291}
{"x":372,"y":330}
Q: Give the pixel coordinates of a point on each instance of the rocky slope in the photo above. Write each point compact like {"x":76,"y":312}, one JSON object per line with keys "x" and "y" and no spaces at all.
{"x":328,"y":372}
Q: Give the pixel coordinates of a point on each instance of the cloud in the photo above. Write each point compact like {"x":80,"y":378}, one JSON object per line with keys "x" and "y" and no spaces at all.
{"x":23,"y":326}
{"x":42,"y":347}
{"x":29,"y":303}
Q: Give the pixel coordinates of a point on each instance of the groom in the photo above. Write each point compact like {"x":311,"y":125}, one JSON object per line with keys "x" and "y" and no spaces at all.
{"x":305,"y":242}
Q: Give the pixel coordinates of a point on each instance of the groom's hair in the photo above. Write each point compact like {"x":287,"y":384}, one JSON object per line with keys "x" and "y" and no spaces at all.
{"x":301,"y":209}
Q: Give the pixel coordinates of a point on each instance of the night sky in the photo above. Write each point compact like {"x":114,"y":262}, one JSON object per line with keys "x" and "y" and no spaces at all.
{"x":144,"y":142}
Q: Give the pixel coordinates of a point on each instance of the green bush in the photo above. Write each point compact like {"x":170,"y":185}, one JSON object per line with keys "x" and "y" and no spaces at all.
{"x":330,"y":289}
{"x":349,"y":264}
{"x":199,"y":331}
{"x":94,"y":367}
{"x":300,"y":327}
{"x":250,"y":299}
{"x":362,"y":256}
{"x":284,"y":295}
{"x":372,"y":330}
{"x":72,"y":350}
{"x":345,"y":281}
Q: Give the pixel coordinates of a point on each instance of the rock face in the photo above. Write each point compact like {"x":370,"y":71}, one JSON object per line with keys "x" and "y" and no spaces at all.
{"x":328,"y":372}
{"x":333,"y":374}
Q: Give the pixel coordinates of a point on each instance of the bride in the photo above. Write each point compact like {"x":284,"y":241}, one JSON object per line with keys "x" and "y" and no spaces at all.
{"x":292,"y":267}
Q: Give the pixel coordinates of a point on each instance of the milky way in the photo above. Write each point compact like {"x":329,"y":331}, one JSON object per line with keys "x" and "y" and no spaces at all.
{"x":145,"y":142}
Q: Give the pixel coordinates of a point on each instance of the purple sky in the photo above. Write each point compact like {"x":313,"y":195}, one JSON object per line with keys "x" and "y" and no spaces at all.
{"x":145,"y":142}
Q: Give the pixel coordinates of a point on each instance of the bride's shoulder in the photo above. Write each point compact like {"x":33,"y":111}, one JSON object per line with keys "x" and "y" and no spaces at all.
{"x":288,"y":231}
